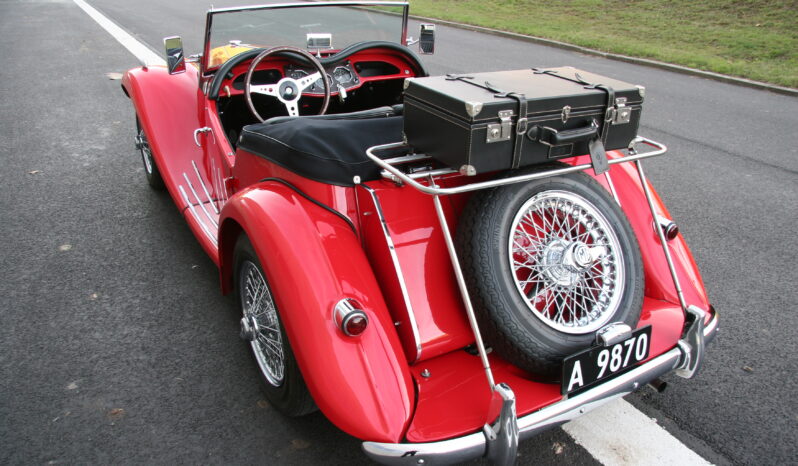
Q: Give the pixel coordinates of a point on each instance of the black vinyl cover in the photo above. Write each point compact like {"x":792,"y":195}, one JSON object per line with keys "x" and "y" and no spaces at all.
{"x":329,"y":149}
{"x":448,"y":117}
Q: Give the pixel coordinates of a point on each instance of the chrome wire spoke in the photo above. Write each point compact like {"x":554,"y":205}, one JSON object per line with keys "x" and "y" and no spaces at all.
{"x":538,"y":228}
{"x":272,"y":346}
{"x":535,"y":241}
{"x":259,"y":309}
{"x":523,"y":250}
{"x":266,"y":327}
{"x":562,"y":247}
{"x":532,"y":281}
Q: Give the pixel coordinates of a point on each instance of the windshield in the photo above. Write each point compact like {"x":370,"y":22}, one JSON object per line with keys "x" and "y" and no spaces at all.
{"x":310,"y":26}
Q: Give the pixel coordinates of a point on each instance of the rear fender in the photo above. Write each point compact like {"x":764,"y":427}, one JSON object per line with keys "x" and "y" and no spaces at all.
{"x":659,"y":284}
{"x":312,"y":259}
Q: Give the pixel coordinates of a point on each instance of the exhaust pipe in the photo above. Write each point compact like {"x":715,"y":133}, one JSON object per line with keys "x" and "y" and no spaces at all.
{"x":658,"y":385}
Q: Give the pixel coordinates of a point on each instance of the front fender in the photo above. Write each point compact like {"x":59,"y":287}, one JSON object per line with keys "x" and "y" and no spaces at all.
{"x":169,"y":108}
{"x":312,"y":259}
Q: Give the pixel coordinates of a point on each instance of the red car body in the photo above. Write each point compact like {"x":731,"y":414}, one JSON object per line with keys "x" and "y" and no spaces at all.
{"x":371,"y":386}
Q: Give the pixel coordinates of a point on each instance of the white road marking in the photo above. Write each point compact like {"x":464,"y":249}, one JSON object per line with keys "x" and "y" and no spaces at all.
{"x":619,"y":434}
{"x":615,"y":434}
{"x":141,"y":51}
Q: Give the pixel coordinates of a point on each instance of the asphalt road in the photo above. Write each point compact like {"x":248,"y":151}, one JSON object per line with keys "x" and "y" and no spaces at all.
{"x":116,"y":346}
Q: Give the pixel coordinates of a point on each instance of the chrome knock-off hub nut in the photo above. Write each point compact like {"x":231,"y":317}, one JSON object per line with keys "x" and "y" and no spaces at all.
{"x":581,"y":255}
{"x":248,"y":328}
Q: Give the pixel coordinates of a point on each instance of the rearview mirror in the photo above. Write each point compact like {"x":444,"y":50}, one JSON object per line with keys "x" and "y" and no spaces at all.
{"x":175,"y":62}
{"x":319,"y":41}
{"x":426,"y":40}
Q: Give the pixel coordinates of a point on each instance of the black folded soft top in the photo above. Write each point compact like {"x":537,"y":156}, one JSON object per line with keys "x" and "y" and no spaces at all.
{"x":325,"y":148}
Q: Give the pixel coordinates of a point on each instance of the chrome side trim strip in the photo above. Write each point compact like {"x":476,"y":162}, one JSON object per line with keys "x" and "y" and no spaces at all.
{"x":399,"y":274}
{"x":204,"y":188}
{"x":199,"y":201}
{"x":461,"y":449}
{"x":196,"y":216}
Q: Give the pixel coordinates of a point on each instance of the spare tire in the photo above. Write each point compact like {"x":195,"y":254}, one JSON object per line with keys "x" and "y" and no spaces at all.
{"x":548,"y":263}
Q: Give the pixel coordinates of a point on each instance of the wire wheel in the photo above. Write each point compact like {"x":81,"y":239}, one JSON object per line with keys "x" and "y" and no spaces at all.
{"x":146,"y":153}
{"x":567,"y":262}
{"x":150,"y":168}
{"x":549,"y":262}
{"x":260,"y":315}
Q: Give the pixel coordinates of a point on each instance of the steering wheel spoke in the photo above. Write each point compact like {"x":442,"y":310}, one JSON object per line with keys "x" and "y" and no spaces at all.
{"x":265,"y":89}
{"x":308,"y":81}
{"x":288,"y":90}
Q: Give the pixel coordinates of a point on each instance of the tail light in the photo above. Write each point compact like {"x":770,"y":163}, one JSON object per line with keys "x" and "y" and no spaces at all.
{"x":350,"y":317}
{"x":668,"y":226}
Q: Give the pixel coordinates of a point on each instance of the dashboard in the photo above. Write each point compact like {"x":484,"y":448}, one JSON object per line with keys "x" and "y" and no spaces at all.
{"x":342,"y":75}
{"x":363,"y":76}
{"x":348,"y":74}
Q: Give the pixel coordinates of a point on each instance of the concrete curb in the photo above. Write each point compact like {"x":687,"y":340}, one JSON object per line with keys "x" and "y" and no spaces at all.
{"x":614,"y":56}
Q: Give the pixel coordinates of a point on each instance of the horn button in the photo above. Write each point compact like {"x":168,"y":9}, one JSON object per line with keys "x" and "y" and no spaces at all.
{"x":289,"y":90}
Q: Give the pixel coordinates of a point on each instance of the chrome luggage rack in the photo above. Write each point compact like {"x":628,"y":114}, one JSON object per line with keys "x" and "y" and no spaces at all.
{"x":392,"y":173}
{"x":503,"y":433}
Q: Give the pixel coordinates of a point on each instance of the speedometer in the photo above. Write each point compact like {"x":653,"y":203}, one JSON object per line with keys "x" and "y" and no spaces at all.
{"x":342,"y":75}
{"x":298,"y":74}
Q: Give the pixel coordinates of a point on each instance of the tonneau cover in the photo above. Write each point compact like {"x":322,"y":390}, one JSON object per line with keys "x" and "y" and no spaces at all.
{"x":328,"y":148}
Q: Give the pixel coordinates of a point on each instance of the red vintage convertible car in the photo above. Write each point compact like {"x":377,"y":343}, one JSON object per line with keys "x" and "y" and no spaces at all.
{"x":439,"y":309}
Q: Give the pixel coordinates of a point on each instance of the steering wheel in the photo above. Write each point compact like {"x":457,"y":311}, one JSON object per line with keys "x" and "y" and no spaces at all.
{"x":287,"y":90}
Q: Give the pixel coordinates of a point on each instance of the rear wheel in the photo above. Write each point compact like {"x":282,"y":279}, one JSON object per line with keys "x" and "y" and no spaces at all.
{"x":261,"y":326}
{"x":550,"y":262}
{"x":150,"y":168}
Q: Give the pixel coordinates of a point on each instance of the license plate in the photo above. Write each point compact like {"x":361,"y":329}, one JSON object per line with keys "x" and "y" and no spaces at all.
{"x":593,"y":365}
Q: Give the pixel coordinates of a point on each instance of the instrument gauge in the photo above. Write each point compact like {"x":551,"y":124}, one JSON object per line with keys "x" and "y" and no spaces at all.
{"x":343,"y":75}
{"x":298,"y":74}
{"x":319,"y":84}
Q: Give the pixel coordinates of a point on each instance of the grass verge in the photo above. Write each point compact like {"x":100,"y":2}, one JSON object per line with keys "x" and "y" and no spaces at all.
{"x":755,"y":39}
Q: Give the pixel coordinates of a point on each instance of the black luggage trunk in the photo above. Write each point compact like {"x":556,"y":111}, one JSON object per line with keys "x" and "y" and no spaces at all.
{"x":471,"y":122}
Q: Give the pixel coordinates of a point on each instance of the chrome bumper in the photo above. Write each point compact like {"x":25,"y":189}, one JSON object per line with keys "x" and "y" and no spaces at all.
{"x":685,"y":359}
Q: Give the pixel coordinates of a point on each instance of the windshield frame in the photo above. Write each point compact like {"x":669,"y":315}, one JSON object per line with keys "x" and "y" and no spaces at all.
{"x":209,"y":20}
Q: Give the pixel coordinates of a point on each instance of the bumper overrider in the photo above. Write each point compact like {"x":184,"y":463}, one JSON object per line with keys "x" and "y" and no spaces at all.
{"x":499,"y":441}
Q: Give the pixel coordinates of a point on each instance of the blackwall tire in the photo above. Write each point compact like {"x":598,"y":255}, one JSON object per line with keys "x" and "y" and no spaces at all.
{"x":548,"y":263}
{"x":283,"y":384}
{"x":150,"y":168}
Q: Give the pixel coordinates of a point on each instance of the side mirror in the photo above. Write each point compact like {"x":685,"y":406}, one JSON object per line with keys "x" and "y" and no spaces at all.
{"x":175,"y":62}
{"x":426,"y":40}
